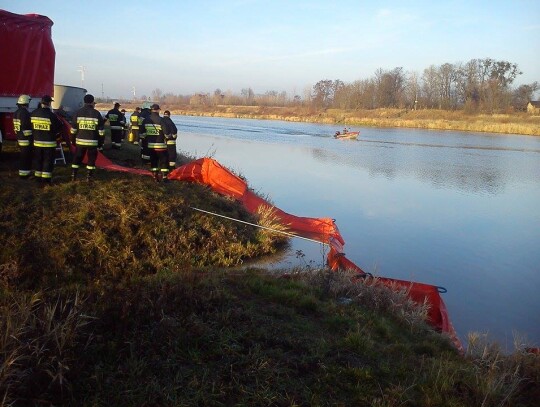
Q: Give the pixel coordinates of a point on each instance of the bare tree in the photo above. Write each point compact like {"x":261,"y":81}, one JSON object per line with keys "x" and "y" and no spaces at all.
{"x":412,"y":90}
{"x":429,"y":86}
{"x":390,"y":86}
{"x":324,"y":91}
{"x":248,"y":95}
{"x":446,"y":77}
{"x":523,"y":95}
{"x":157,"y":94}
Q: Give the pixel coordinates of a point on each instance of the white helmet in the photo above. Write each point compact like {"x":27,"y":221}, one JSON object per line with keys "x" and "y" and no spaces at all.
{"x":24,"y":100}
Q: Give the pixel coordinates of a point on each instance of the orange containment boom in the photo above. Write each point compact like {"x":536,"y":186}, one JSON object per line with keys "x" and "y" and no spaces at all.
{"x":209,"y":172}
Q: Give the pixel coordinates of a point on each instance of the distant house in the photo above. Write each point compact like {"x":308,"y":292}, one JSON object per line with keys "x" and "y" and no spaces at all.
{"x":533,"y":107}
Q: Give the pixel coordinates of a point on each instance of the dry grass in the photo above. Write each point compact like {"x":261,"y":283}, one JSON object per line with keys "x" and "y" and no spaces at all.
{"x":38,"y":345}
{"x":114,"y":294}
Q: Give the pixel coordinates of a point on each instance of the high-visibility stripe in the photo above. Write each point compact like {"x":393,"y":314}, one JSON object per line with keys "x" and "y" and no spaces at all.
{"x":27,"y":133}
{"x":172,"y":163}
{"x":117,"y":128}
{"x":157,"y":146}
{"x":46,"y":174}
{"x":44,"y":143}
{"x":101,"y":132}
{"x":74,"y":166}
{"x":171,"y":142}
{"x":24,"y":143}
{"x":24,"y":173}
{"x":86,"y":143}
{"x":90,"y":167}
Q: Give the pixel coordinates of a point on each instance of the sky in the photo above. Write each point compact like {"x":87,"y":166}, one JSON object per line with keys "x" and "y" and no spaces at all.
{"x":198,"y":46}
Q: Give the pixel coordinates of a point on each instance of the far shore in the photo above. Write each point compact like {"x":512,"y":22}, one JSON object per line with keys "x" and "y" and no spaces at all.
{"x":512,"y":123}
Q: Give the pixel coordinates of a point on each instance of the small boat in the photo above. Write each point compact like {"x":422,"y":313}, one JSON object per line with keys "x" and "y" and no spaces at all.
{"x":350,"y":135}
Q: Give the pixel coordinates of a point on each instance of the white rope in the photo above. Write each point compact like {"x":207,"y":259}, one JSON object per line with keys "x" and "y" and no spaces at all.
{"x":258,"y":226}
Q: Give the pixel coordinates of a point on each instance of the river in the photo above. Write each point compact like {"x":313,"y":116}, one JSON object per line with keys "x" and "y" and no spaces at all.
{"x":452,"y":209}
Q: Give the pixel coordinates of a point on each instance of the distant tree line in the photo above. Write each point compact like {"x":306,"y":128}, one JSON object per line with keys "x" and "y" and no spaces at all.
{"x":480,"y":85}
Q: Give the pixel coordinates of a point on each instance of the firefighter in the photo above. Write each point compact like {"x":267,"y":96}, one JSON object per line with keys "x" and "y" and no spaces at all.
{"x":134,"y":126}
{"x":145,"y":113}
{"x":23,"y":129}
{"x":88,"y":130}
{"x":45,"y":128}
{"x":115,"y":118}
{"x":152,"y":132}
{"x":170,"y":130}
{"x":125,"y":127}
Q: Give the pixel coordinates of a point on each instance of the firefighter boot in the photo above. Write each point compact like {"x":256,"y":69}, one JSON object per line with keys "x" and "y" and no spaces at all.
{"x":156,"y":176}
{"x":90,"y":176}
{"x":73,"y":175}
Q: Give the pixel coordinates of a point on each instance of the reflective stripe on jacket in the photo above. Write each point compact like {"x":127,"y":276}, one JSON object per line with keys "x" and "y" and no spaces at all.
{"x":88,"y":126}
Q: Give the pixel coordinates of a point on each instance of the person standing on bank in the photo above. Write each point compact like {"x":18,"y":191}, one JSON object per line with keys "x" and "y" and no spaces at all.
{"x":170,"y":130}
{"x":116,"y":120}
{"x":145,"y":113}
{"x":125,"y":127}
{"x":152,"y":132}
{"x":134,"y":126}
{"x":45,"y":128}
{"x":23,"y":129}
{"x":88,"y":130}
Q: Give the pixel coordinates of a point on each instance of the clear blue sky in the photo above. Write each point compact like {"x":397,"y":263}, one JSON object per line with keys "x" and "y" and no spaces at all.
{"x":283,"y":45}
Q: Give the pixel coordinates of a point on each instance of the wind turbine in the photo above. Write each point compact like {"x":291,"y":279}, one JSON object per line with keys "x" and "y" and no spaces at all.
{"x":82,"y":70}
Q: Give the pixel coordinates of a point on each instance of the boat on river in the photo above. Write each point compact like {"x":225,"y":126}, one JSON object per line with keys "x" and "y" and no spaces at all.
{"x":349,"y":135}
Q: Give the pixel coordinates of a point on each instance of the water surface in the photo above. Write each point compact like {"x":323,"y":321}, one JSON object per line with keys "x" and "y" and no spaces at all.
{"x":458,"y":210}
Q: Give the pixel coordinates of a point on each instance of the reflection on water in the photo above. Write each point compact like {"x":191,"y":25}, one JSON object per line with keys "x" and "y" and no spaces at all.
{"x":453,"y":209}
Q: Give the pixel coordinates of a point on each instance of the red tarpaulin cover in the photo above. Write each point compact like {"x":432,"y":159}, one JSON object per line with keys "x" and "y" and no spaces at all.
{"x":28,"y":55}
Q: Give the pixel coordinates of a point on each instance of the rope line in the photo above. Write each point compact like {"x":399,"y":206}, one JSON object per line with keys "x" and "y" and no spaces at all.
{"x":259,"y":226}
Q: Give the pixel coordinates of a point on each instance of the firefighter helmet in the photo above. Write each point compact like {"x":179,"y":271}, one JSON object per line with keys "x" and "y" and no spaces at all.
{"x":23,"y":100}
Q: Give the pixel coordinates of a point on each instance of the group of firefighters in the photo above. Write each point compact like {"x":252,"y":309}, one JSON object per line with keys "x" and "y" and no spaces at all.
{"x":38,"y":131}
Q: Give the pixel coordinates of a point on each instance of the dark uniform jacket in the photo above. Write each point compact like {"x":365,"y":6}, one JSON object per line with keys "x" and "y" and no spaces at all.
{"x":45,"y":127}
{"x":169,"y":129}
{"x":23,"y":126}
{"x":88,"y":127}
{"x":152,"y":131}
{"x":116,"y":119}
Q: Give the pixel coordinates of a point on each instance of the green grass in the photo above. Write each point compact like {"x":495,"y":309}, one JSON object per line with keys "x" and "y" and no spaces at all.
{"x":116,"y":294}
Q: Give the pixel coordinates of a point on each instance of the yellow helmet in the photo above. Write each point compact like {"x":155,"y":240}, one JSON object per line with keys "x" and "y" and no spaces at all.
{"x":23,"y":100}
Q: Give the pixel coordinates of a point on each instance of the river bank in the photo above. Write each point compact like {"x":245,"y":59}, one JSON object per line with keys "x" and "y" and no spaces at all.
{"x":114,"y":293}
{"x":512,"y":123}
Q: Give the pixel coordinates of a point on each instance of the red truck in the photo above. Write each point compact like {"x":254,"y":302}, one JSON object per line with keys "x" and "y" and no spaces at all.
{"x":27,"y":64}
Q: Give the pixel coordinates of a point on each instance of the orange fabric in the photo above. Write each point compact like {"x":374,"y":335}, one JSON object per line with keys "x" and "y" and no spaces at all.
{"x":209,"y":172}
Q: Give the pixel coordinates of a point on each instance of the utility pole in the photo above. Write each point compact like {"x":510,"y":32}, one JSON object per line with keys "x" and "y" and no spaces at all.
{"x":82,"y":70}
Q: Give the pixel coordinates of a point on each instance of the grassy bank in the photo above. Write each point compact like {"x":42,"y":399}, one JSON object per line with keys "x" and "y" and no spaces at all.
{"x":116,"y":294}
{"x":512,"y":123}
